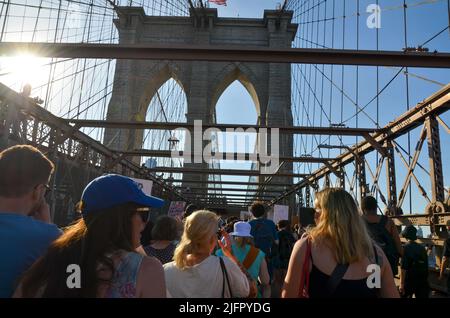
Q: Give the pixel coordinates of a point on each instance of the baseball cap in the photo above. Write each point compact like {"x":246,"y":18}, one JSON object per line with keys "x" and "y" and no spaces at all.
{"x":111,"y":190}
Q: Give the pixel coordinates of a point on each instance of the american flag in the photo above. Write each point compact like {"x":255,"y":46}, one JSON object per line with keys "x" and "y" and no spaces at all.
{"x":219,"y":2}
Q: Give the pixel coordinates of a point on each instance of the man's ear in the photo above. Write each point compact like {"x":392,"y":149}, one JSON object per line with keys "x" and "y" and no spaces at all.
{"x":36,"y":193}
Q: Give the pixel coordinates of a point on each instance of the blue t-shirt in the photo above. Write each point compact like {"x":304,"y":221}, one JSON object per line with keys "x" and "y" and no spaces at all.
{"x":264,"y":233}
{"x":22,"y":241}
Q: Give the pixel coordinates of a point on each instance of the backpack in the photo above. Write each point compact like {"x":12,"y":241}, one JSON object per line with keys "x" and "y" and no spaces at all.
{"x":263,"y":237}
{"x":286,"y":244}
{"x":385,"y":241}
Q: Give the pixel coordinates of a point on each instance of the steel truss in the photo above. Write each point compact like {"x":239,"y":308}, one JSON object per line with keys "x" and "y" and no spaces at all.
{"x":78,"y":158}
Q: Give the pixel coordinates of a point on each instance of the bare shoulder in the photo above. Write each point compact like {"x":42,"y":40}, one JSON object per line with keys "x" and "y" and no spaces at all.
{"x":301,"y":243}
{"x":300,"y":246}
{"x":152,"y":264}
{"x":151,"y":269}
{"x":151,"y":281}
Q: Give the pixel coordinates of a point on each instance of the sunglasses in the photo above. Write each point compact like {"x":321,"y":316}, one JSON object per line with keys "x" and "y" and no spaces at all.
{"x":143,"y":213}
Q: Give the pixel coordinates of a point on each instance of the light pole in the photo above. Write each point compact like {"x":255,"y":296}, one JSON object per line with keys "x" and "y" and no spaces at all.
{"x":173,"y":141}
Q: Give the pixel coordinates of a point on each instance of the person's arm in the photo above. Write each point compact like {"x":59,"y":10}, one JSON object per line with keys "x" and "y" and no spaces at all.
{"x":444,"y":264}
{"x":445,"y":259}
{"x":394,"y":232}
{"x":404,"y":265}
{"x":291,"y":287}
{"x":388,"y":288}
{"x":402,"y":281}
{"x":264,"y":279}
{"x":151,"y":281}
{"x":275,"y":233}
{"x":42,"y":213}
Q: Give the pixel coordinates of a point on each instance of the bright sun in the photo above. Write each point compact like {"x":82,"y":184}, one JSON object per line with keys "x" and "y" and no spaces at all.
{"x":24,"y":69}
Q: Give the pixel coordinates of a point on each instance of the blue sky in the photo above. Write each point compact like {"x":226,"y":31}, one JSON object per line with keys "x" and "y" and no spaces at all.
{"x":423,"y":21}
{"x":245,"y":8}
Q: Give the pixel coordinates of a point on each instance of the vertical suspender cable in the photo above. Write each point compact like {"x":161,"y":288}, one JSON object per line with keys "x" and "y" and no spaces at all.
{"x":405,"y":6}
{"x":4,"y":20}
{"x":343,"y":66}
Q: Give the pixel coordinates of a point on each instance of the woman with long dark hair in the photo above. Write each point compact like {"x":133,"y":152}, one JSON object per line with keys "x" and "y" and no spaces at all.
{"x":102,"y":244}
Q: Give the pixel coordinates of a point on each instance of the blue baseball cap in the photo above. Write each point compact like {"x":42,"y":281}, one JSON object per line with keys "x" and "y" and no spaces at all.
{"x":111,"y":190}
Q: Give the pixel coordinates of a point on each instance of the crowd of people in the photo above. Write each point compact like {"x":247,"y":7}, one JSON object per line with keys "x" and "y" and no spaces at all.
{"x":350,"y":251}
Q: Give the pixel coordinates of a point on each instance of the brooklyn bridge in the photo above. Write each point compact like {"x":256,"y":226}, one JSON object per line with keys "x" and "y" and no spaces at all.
{"x":222,"y":106}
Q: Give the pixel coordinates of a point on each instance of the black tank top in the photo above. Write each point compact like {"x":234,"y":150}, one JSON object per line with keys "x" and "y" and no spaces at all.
{"x":346,"y":289}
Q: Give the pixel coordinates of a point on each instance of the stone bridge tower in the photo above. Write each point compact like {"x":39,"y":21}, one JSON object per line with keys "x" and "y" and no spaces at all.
{"x":137,"y":81}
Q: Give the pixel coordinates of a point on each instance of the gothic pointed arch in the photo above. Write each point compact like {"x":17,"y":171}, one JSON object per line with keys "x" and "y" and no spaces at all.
{"x":230,"y":73}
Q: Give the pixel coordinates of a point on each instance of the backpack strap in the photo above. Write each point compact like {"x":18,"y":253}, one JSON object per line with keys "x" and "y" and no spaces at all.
{"x":225,"y":278}
{"x":377,"y":260}
{"x":250,"y":257}
{"x":383,"y":221}
{"x":336,"y":277}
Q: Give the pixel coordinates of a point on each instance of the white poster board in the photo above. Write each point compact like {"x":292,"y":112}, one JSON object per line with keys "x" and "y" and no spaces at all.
{"x":280,"y":212}
{"x":145,"y":185}
{"x":176,"y":209}
{"x":270,"y":214}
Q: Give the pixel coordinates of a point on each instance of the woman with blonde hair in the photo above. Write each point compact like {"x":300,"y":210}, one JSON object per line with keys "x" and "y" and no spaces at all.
{"x":195,"y":273}
{"x":335,"y":258}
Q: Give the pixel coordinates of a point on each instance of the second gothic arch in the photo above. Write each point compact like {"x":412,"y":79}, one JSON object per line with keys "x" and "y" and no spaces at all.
{"x":242,"y":73}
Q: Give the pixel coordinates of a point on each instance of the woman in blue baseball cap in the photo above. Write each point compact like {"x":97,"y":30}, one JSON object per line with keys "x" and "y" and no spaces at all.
{"x":95,"y":257}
